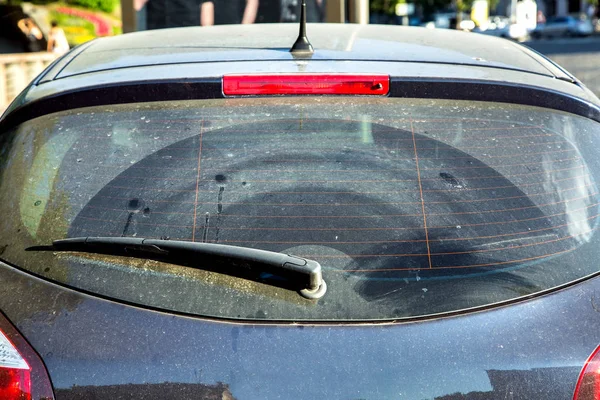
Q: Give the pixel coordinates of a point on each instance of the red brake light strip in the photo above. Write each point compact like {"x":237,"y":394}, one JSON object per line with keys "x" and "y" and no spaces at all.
{"x":298,"y":84}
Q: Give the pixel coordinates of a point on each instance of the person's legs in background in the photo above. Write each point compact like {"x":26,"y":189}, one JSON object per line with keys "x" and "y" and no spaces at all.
{"x":207,"y":13}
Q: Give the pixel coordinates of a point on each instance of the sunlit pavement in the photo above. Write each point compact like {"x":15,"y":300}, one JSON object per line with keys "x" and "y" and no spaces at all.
{"x":580,"y":56}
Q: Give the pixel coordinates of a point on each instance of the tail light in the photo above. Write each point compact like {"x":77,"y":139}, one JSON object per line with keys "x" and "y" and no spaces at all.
{"x":22,"y":373}
{"x":15,"y":373}
{"x":588,"y":385}
{"x":298,"y":84}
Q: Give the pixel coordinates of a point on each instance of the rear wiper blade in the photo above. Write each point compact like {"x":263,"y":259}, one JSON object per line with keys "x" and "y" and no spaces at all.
{"x":276,"y":269}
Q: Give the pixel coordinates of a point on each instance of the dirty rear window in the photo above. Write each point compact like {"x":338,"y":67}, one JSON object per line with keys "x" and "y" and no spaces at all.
{"x":412,"y":207}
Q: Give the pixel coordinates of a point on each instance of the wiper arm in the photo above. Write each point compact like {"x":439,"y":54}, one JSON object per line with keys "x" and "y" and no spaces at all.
{"x":277,"y":269}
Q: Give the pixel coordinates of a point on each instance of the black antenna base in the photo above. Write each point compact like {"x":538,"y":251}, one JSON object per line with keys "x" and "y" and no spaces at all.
{"x":302,"y":44}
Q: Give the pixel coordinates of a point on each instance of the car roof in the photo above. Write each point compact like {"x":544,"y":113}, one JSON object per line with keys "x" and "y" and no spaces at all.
{"x":189,"y":63}
{"x":271,"y":42}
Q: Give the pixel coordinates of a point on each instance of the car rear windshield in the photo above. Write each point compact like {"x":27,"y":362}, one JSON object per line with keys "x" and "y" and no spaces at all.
{"x":412,"y":207}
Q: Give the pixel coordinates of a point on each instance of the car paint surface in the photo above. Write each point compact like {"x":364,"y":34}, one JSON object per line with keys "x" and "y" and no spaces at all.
{"x":534,"y":349}
{"x":333,"y":42}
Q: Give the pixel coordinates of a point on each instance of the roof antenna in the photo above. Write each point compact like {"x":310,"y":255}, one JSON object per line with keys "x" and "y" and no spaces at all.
{"x":302,"y":44}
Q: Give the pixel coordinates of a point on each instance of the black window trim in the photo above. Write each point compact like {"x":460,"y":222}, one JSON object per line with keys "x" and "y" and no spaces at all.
{"x":211,"y":88}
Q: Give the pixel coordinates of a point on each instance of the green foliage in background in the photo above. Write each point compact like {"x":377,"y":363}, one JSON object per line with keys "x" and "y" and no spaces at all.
{"x":99,"y":5}
{"x":388,"y":7}
{"x":385,"y":6}
{"x":94,"y":5}
{"x":77,"y":30}
{"x":42,"y":2}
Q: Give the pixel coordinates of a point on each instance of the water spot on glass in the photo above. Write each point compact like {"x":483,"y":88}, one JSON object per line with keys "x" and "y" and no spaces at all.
{"x":449,"y":178}
{"x":136,"y":205}
{"x":220,"y":178}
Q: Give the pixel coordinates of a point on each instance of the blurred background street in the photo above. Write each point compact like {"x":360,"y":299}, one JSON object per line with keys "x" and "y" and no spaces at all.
{"x":580,"y":56}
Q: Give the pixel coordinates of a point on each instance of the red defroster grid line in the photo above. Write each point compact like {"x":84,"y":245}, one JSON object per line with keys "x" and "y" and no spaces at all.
{"x":274,"y":204}
{"x":488,"y":166}
{"x":478,"y":189}
{"x":519,"y":260}
{"x":448,"y":253}
{"x":421,"y":194}
{"x":198,"y":181}
{"x":466,"y":178}
{"x":528,"y":232}
{"x":376,"y":229}
{"x":149,"y":128}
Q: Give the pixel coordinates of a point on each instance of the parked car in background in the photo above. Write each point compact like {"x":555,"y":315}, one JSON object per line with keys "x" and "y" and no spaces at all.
{"x":563,"y":26}
{"x":200,"y":213}
{"x":446,"y":20}
{"x":502,"y":27}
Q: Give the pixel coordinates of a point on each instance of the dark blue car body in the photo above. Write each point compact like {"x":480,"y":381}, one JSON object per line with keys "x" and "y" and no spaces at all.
{"x":532,"y":346}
